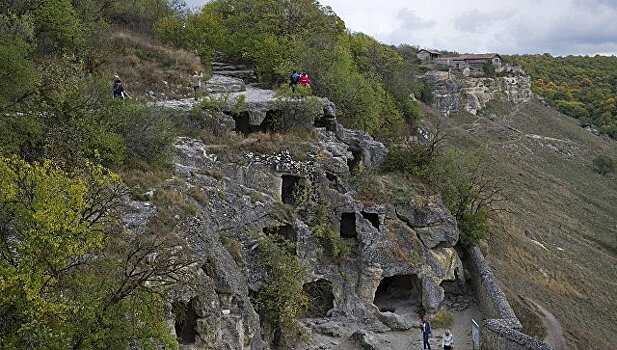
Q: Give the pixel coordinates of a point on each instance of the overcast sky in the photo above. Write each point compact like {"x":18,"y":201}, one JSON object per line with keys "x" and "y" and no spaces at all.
{"x":560,"y":27}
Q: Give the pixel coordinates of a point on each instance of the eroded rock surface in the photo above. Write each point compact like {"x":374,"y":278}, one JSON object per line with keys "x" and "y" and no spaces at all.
{"x":453,"y":93}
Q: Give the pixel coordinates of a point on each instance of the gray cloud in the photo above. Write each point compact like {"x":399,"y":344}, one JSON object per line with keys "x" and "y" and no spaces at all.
{"x":475,"y":20}
{"x":411,"y":21}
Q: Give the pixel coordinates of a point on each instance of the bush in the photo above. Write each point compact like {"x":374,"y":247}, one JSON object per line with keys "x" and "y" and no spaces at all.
{"x":604,"y":164}
{"x":324,"y":230}
{"x":442,"y":319}
{"x":282,"y":299}
{"x":147,"y":132}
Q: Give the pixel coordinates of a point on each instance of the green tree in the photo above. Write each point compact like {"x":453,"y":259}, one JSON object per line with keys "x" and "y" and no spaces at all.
{"x":70,"y":277}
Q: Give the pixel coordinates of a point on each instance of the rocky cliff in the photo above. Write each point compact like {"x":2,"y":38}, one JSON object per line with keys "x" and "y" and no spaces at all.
{"x":452,"y":92}
{"x":400,"y":255}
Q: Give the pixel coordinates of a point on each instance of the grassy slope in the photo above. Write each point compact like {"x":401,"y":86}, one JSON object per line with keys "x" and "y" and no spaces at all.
{"x":562,"y":202}
{"x":144,"y":64}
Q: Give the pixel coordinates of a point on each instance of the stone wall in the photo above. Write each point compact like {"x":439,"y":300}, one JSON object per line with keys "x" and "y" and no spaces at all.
{"x":501,"y":329}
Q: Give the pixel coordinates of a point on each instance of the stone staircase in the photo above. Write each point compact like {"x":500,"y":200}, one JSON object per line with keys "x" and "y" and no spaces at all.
{"x":221,"y":66}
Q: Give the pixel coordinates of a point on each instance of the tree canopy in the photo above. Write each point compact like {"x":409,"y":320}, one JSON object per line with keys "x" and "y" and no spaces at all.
{"x":580,"y":86}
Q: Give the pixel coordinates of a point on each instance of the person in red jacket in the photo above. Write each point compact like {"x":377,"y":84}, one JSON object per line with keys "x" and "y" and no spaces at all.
{"x":305,"y":80}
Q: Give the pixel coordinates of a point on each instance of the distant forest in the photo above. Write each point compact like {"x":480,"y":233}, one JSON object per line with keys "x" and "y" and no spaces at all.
{"x":580,"y":86}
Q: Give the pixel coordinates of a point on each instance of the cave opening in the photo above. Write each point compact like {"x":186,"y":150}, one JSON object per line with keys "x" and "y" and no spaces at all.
{"x":291,"y":184}
{"x":273,"y":122}
{"x":321,"y":298}
{"x":398,"y":293}
{"x":373,"y":218}
{"x":348,"y":225}
{"x":243,"y":124}
{"x":185,"y":322}
{"x":355,"y":161}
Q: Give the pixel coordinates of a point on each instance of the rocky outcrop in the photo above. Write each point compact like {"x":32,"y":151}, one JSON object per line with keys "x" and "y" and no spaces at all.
{"x":244,"y":199}
{"x":395,"y":248}
{"x":452,"y":93}
{"x":224,"y":84}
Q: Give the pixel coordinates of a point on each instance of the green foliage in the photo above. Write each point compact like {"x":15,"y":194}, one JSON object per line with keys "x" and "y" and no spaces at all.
{"x":468,"y":190}
{"x":488,"y":68}
{"x":282,"y":298}
{"x":371,"y":83}
{"x":442,"y":319}
{"x":604,"y":164}
{"x":581,"y":87}
{"x":64,"y":283}
{"x":325,"y":231}
{"x":465,"y":183}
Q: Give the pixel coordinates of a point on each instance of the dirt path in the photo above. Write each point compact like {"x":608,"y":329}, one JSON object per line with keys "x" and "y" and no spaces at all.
{"x":411,"y":339}
{"x":554,"y":331}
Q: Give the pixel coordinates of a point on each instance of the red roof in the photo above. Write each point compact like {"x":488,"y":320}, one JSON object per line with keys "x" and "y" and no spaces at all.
{"x":473,"y":57}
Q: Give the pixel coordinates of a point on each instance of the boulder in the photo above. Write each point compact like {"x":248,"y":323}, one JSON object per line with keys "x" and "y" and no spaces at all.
{"x":224,"y":84}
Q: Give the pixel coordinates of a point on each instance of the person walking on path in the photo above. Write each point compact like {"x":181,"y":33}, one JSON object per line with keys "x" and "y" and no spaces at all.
{"x":426,"y":333}
{"x":118,"y":89}
{"x":196,"y":80}
{"x":447,"y":340}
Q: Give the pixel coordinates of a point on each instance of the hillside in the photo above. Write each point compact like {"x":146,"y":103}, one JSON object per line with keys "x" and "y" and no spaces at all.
{"x":556,"y":242}
{"x":262,"y":214}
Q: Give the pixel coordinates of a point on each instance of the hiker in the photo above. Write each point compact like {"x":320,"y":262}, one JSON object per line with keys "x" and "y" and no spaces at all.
{"x":305,"y":80}
{"x":197,"y":82}
{"x":294,"y":79}
{"x":447,"y":340}
{"x":426,"y":333}
{"x":118,"y":89}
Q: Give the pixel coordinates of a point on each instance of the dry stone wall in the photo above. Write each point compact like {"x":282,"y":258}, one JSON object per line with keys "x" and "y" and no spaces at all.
{"x":501,"y":329}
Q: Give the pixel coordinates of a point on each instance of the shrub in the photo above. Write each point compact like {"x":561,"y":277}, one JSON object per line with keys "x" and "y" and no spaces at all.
{"x":326,"y":233}
{"x":442,"y":319}
{"x":147,"y":132}
{"x":604,"y":164}
{"x":282,"y":299}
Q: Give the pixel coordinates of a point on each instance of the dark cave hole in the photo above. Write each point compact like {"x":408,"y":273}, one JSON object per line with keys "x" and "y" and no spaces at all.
{"x":242,"y":123}
{"x":186,"y":322}
{"x":321,"y":298}
{"x":272,"y":122}
{"x":397,"y":291}
{"x":291,"y":184}
{"x":373,"y":218}
{"x":355,"y":161}
{"x":348,"y":225}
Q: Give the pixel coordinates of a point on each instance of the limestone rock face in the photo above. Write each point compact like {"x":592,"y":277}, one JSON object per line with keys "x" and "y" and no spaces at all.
{"x":452,"y":93}
{"x":398,"y":251}
{"x":431,"y":220}
{"x":224,"y":84}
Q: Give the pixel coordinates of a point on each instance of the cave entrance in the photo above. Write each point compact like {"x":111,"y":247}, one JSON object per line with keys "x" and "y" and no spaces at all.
{"x":327,"y":123}
{"x":355,"y":161}
{"x":272,"y":122}
{"x":455,"y":287}
{"x":286,"y":231}
{"x":291,"y":186}
{"x":321,"y":298}
{"x":243,"y":123}
{"x":399,"y":293}
{"x":348,"y":225}
{"x":185,"y":322}
{"x":372,"y":218}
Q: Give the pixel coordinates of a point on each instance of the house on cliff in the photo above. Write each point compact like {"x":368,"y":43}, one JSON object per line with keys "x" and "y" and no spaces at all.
{"x":428,"y":56}
{"x":475,"y":61}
